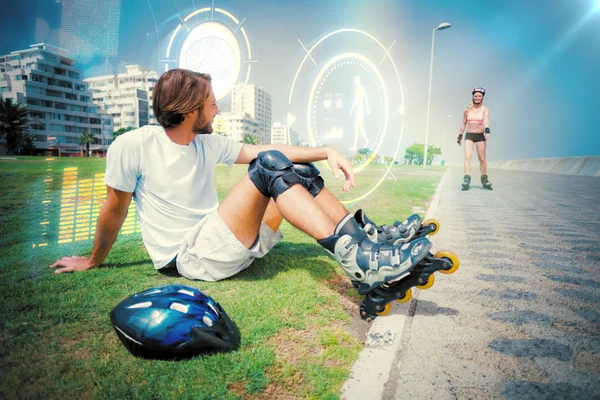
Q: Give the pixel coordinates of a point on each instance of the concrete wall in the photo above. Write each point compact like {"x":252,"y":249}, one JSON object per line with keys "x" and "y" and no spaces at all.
{"x":587,"y":166}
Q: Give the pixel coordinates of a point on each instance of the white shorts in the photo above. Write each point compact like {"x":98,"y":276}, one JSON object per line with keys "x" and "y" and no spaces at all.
{"x":211,"y":252}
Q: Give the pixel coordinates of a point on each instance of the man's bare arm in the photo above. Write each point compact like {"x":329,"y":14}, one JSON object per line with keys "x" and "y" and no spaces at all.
{"x":294,"y":153}
{"x":111,"y":218}
{"x":298,"y":154}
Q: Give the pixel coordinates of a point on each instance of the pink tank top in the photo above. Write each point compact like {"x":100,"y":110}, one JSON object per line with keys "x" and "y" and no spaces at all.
{"x":476,"y":116}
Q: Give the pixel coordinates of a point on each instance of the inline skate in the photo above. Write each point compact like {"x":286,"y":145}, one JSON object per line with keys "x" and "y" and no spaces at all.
{"x":466,"y":182}
{"x":400,"y":232}
{"x":486,"y":183}
{"x":383,"y":272}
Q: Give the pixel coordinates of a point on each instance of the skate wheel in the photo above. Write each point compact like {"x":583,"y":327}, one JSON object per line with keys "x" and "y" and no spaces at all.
{"x":406,"y":297}
{"x":433,"y":224}
{"x":386,"y":310}
{"x":429,"y":283}
{"x":450,"y":256}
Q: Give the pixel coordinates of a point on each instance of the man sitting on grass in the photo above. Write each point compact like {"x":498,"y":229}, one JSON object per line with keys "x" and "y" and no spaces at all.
{"x":169,"y":171}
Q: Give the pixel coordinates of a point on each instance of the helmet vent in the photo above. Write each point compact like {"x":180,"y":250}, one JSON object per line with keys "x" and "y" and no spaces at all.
{"x":186,"y":292}
{"x":182,"y":308}
{"x":152,"y":292}
{"x":212,"y":307}
{"x":145,"y":304}
{"x":207,"y":321}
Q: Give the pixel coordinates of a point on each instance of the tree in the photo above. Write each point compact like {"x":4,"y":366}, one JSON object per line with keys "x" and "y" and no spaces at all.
{"x":431,"y":152}
{"x":250,"y":139}
{"x":85,"y":139}
{"x":14,"y":123}
{"x":122,"y":131}
{"x":28,"y":144}
{"x":415,"y":153}
{"x":389,"y":160}
{"x":362,"y":154}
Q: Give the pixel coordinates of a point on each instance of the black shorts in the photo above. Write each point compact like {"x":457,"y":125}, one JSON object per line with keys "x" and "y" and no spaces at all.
{"x":475,"y":137}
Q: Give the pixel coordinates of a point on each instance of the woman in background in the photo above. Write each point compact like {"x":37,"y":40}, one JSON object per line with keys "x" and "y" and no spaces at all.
{"x":476,"y":120}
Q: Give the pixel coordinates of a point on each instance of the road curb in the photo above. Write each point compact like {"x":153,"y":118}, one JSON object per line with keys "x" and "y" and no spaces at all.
{"x":372,"y":370}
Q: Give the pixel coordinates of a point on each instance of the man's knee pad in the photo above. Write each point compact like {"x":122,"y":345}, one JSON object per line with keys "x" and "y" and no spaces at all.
{"x":272,"y":173}
{"x":309,"y":177}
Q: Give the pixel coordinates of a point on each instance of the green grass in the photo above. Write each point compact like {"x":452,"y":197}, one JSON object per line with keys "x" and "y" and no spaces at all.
{"x":297,"y":311}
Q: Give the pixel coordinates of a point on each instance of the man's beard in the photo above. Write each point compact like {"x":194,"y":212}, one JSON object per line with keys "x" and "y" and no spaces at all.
{"x":201,"y":126}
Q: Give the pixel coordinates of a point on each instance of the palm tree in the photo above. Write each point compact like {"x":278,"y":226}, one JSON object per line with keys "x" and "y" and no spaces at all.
{"x":250,"y":139}
{"x":14,"y":123}
{"x":85,"y":139}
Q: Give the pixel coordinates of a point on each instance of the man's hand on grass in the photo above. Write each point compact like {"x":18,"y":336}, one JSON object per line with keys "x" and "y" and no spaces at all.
{"x":72,"y":264}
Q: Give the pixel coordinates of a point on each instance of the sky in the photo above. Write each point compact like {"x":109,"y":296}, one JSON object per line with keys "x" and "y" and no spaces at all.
{"x":538,"y":59}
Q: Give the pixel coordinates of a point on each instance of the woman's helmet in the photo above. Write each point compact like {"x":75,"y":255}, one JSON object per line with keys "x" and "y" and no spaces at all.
{"x":173,"y":322}
{"x":479,"y":89}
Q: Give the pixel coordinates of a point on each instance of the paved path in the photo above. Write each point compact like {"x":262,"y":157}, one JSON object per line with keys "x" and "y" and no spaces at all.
{"x":521,"y":317}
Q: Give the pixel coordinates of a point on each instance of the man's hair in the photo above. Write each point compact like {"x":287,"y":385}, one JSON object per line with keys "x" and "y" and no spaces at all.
{"x":179,"y":92}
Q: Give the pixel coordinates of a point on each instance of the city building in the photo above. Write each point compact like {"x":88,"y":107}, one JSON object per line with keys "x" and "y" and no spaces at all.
{"x":282,"y":134}
{"x":235,"y":125}
{"x":126,"y":96}
{"x":44,"y":78}
{"x":107,"y":135}
{"x":256,"y":102}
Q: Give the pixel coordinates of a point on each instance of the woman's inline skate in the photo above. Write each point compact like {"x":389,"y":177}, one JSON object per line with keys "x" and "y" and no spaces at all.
{"x":485,"y":182}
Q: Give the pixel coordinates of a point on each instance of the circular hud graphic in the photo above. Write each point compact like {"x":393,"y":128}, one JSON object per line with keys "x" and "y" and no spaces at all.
{"x":209,"y":40}
{"x":212,"y":48}
{"x":347,"y":106}
{"x":349,"y":88}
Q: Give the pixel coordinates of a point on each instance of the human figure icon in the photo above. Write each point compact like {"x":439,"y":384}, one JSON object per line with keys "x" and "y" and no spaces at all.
{"x":361,"y":102}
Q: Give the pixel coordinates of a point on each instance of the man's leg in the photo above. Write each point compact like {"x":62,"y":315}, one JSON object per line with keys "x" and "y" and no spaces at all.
{"x":272,"y":216}
{"x":331,"y":205}
{"x":243,"y":210}
{"x":325,"y":199}
{"x":366,"y":263}
{"x":296,"y":204}
{"x":399,"y":232}
{"x":302,"y":200}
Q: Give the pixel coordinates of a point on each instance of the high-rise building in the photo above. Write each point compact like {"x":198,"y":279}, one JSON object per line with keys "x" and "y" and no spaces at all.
{"x":43,"y":77}
{"x":235,"y":125}
{"x":107,"y":134}
{"x":126,"y":96}
{"x":282,"y":134}
{"x":256,"y":102}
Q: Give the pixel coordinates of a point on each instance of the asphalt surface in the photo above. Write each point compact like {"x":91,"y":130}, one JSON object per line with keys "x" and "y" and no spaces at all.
{"x":521,"y":317}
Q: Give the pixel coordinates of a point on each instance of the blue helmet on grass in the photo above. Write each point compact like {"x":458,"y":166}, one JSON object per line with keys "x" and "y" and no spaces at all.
{"x":173,"y":322}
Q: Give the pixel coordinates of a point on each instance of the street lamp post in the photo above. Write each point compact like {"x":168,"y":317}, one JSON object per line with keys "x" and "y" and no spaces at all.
{"x":440,"y":27}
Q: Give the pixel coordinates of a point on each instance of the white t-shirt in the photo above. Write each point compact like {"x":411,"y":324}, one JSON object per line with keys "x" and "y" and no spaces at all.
{"x":173,"y":186}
